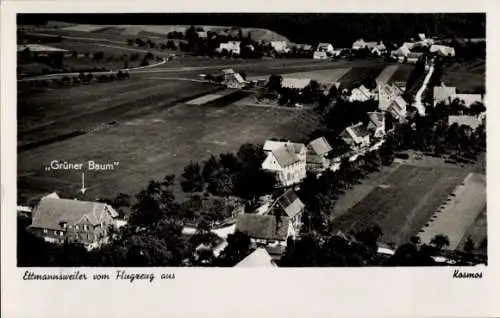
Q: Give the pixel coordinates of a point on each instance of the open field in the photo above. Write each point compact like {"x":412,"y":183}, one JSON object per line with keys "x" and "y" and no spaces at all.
{"x":403,"y":203}
{"x":155,"y":145}
{"x":358,"y":73}
{"x":459,"y":212}
{"x":61,"y":111}
{"x":402,"y":74}
{"x":387,"y":73}
{"x":155,"y":30}
{"x":466,"y":77}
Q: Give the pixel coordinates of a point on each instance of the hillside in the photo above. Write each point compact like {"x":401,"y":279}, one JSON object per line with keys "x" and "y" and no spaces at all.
{"x":162,"y":30}
{"x":339,"y":28}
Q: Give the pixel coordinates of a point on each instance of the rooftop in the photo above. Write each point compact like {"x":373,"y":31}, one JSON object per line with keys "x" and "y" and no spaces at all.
{"x":263,"y":226}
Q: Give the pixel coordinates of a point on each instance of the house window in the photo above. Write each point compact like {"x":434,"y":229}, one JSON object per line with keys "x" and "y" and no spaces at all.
{"x":85,"y":227}
{"x":76,"y":227}
{"x":45,"y":231}
{"x":61,"y":233}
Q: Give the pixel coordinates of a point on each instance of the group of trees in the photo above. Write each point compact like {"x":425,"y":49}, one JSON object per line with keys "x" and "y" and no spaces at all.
{"x":66,"y":81}
{"x":288,"y":96}
{"x":433,"y":134}
{"x":229,"y":174}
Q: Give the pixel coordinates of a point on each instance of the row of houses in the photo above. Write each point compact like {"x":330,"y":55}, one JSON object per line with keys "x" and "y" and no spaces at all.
{"x":290,"y":161}
{"x":388,"y":96}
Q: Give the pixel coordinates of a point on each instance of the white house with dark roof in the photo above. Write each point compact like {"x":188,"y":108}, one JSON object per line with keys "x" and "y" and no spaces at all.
{"x":58,"y":220}
{"x":288,"y":204}
{"x":258,"y":258}
{"x":356,"y":136}
{"x":317,"y":152}
{"x":287,"y":160}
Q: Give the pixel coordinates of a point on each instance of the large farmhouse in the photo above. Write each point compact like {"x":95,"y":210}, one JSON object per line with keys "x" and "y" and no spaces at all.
{"x":286,"y":160}
{"x":58,"y":220}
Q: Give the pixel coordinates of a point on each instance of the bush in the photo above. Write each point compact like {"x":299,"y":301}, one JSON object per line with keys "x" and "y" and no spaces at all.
{"x":144,"y":62}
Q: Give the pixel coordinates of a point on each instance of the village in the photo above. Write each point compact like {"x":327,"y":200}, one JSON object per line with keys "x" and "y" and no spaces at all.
{"x":281,"y":202}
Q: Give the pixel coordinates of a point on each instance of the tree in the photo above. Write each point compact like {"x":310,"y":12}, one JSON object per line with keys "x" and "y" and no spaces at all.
{"x":154,"y":203}
{"x":210,"y":168}
{"x":98,"y":56}
{"x":251,"y":155}
{"x":130,"y":42}
{"x":192,"y":178}
{"x":253,"y":183}
{"x":274,"y":83}
{"x":238,"y":247}
{"x":440,"y":241}
{"x":171,"y":45}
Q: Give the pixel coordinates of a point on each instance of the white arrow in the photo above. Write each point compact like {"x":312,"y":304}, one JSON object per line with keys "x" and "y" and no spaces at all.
{"x":83,"y":189}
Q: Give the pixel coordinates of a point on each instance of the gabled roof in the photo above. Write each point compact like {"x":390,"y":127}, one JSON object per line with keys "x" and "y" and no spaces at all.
{"x":238,"y":78}
{"x":320,"y":146}
{"x":228,"y":71}
{"x":324,"y":45}
{"x":258,"y":258}
{"x":285,"y":155}
{"x":297,"y":83}
{"x":356,"y":132}
{"x":414,"y":55}
{"x":50,"y":212}
{"x":471,"y":121}
{"x":289,"y":203}
{"x":400,"y":101}
{"x":263,"y":226}
{"x":377,"y":118}
{"x":270,"y":145}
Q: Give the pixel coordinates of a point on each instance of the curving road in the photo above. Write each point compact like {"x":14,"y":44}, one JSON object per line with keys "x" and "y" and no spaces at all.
{"x":418,"y":97}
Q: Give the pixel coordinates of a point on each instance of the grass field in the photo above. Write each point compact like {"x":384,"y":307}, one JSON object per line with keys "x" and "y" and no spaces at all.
{"x":155,"y":145}
{"x":403,"y":203}
{"x":60,"y":111}
{"x":459,"y":212}
{"x":387,"y":73}
{"x":402,"y":74}
{"x":358,"y":73}
{"x":466,"y":77}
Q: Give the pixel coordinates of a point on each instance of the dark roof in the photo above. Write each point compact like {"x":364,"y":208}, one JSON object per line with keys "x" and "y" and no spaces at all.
{"x":263,"y":226}
{"x":50,"y":212}
{"x":289,"y":203}
{"x":360,"y":130}
{"x":320,"y":146}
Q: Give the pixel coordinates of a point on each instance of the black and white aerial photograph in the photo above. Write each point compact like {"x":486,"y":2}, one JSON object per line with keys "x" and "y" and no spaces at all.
{"x":251,"y":139}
